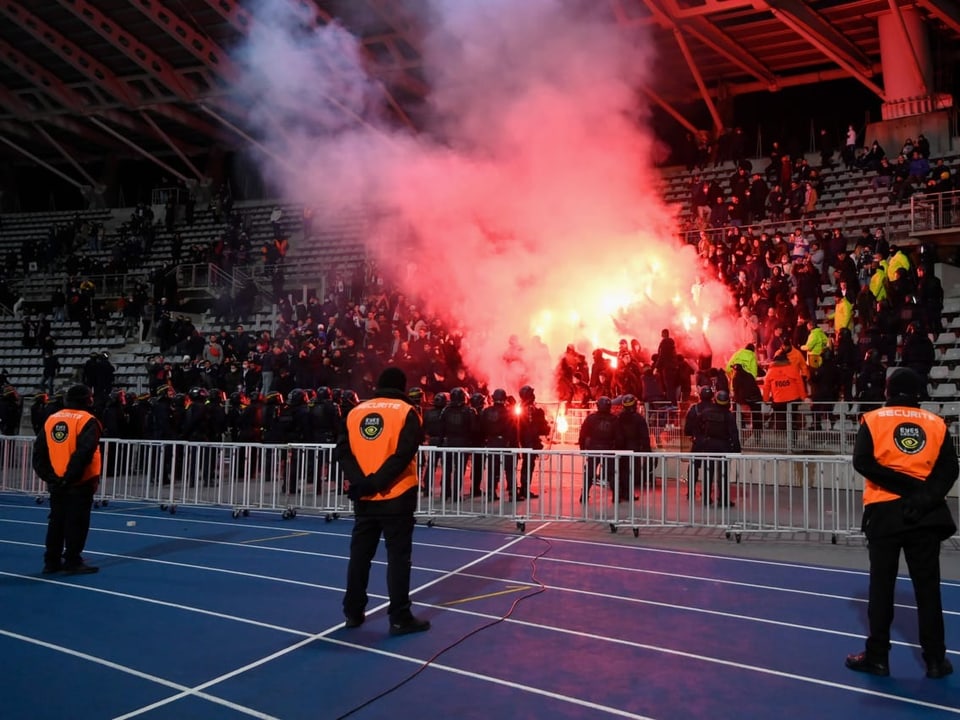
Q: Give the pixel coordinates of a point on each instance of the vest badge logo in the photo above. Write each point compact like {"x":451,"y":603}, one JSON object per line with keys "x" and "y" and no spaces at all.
{"x":60,"y":432}
{"x":909,"y":438}
{"x":371,"y":426}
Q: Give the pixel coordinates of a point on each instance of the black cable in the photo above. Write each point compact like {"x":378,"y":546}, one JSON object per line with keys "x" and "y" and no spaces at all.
{"x":541,"y":588}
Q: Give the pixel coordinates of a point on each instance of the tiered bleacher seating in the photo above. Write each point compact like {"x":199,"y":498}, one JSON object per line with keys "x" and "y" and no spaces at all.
{"x":848,"y":201}
{"x":335,"y":246}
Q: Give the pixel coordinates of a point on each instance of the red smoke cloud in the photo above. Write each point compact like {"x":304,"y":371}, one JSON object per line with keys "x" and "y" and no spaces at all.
{"x":527,"y":205}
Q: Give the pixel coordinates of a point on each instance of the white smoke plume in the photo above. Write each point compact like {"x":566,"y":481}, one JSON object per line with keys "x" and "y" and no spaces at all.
{"x":524,"y":209}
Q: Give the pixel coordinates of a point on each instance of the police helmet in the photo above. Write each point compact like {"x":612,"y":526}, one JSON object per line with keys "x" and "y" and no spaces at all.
{"x":477,"y":401}
{"x":218,"y":397}
{"x":499,"y":395}
{"x":416,"y":395}
{"x":297,"y":397}
{"x":349,"y":399}
{"x":163,"y":391}
{"x":198,"y":394}
{"x":722,"y":397}
{"x":238,"y":398}
{"x":118,"y":397}
{"x":706,"y":393}
{"x":458,"y":396}
{"x":440,"y":400}
{"x":629,"y":401}
{"x":41,"y":398}
{"x":274,"y":398}
{"x":323,"y":393}
{"x":604,"y":404}
{"x":179,"y":399}
{"x":336,"y":395}
{"x":527,"y":394}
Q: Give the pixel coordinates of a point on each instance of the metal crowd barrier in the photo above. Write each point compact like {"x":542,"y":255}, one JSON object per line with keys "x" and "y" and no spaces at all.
{"x":737,"y":493}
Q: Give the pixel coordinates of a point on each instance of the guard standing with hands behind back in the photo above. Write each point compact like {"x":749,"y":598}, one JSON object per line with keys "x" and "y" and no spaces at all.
{"x":909,"y":464}
{"x":378,"y":456}
{"x":66,"y":455}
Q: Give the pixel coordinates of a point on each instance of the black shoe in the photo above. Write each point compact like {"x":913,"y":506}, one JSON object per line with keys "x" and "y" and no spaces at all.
{"x":51,"y":569}
{"x":861,"y":663}
{"x":937,"y":669}
{"x":80,"y":569}
{"x":409,"y":625}
{"x":354,"y":621}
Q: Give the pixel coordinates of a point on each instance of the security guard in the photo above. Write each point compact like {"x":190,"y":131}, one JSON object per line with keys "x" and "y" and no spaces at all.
{"x":378,"y":456}
{"x":909,"y":465}
{"x":783,"y":386}
{"x":66,"y":456}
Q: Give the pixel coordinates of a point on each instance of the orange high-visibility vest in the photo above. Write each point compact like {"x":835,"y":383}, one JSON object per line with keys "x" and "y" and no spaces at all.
{"x":373,"y":428}
{"x":782,"y":384}
{"x":62,"y":430}
{"x":905,"y":439}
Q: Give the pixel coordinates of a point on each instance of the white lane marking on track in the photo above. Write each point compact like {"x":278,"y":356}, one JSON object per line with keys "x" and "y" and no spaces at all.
{"x":627,"y":643}
{"x":443,"y":606}
{"x":684,"y":553}
{"x":135,"y":673}
{"x":640,"y":571}
{"x":312,"y":638}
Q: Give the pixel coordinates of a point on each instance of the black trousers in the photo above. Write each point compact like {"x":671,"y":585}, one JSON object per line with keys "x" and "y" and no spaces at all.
{"x":397,"y":531}
{"x":68,"y":525}
{"x":921,"y":548}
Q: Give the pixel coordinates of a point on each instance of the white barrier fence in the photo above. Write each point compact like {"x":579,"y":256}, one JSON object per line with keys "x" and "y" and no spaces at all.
{"x":741,"y":493}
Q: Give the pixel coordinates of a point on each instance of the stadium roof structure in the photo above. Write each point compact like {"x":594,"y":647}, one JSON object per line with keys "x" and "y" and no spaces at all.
{"x":81,"y":78}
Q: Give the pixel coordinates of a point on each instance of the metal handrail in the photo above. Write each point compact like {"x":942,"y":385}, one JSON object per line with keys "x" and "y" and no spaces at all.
{"x":935,"y":211}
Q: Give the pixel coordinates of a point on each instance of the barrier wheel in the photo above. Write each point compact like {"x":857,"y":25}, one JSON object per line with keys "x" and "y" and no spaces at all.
{"x":39,"y":499}
{"x":246,"y":512}
{"x":328,"y":517}
{"x":430,"y":523}
{"x":104,"y":502}
{"x":738,"y":537}
{"x":833,"y":539}
{"x":336,"y":516}
{"x":236,"y":514}
{"x":96,"y":504}
{"x":285,"y":515}
{"x":163,"y":507}
{"x":173,"y":509}
{"x":613,"y":529}
{"x":293,"y":512}
{"x":522,"y":526}
{"x":636,"y":532}
{"x":727,"y":534}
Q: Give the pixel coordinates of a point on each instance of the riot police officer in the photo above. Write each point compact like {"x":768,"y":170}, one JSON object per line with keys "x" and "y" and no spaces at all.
{"x":532,"y":425}
{"x":456,"y":428}
{"x":499,"y":432}
{"x":433,"y":435}
{"x":635,"y":437}
{"x":601,"y":431}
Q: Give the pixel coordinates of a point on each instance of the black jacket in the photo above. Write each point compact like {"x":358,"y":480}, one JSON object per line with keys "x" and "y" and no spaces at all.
{"x":921,"y":505}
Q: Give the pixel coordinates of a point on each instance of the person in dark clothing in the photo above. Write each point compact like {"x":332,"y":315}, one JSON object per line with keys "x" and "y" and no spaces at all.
{"x":433,"y":436}
{"x":600,"y":431}
{"x":746,"y":393}
{"x":499,"y":432}
{"x":532,"y":425}
{"x":378,"y":455}
{"x":457,"y":423}
{"x":919,"y":355}
{"x":871,"y":379}
{"x":39,"y":411}
{"x":635,"y":471}
{"x":66,"y":456}
{"x":714,"y":430}
{"x":909,"y":465}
